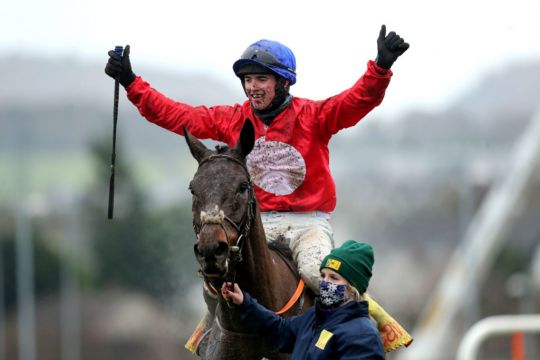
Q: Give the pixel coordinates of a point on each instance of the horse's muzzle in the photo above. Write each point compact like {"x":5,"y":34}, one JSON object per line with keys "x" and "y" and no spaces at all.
{"x":212,"y":258}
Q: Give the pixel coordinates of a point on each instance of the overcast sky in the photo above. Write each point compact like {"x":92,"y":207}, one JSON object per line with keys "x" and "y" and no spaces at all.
{"x":452,"y":42}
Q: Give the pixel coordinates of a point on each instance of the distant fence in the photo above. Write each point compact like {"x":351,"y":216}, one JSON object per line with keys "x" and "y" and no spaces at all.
{"x":495,"y":325}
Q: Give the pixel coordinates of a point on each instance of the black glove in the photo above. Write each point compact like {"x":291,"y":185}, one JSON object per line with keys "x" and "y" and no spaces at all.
{"x":389,"y":48}
{"x":120,"y":67}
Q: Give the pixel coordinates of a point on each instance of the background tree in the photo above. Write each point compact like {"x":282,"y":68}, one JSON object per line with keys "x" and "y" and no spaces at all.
{"x":142,"y":248}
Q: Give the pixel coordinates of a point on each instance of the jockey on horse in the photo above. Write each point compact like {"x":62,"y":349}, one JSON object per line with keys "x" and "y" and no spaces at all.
{"x":289,"y":164}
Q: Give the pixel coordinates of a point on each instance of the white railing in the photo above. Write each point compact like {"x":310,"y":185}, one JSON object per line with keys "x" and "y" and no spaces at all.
{"x":495,"y":325}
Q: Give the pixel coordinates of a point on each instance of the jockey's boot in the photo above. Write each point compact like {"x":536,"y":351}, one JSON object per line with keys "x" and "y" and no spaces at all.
{"x":199,"y":339}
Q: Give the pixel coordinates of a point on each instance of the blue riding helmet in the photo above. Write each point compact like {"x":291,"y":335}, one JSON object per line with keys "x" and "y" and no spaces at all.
{"x":271,"y":55}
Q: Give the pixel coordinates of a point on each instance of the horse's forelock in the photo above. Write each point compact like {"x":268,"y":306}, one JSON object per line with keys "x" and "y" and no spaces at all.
{"x":222,"y":149}
{"x":226,"y":150}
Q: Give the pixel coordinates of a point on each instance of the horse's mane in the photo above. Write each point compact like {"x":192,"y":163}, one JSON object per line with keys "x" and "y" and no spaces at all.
{"x":283,"y":250}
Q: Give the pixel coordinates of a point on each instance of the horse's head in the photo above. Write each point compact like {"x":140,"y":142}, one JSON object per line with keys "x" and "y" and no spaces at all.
{"x":223,"y":201}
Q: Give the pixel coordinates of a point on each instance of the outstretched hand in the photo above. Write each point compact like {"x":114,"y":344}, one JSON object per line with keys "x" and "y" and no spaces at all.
{"x":119,"y":67}
{"x":237,"y":296}
{"x":389,"y":48}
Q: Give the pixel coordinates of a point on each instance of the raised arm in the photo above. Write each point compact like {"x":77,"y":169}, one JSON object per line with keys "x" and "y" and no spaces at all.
{"x":389,"y":48}
{"x":349,"y":107}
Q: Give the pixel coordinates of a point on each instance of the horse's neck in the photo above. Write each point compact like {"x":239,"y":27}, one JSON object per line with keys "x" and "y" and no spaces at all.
{"x":255,"y":272}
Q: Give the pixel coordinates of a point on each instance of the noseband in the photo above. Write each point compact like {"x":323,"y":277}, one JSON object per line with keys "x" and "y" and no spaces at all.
{"x":217,"y":217}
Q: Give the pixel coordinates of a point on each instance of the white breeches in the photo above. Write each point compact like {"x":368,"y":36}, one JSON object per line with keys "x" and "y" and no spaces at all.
{"x":309,"y":236}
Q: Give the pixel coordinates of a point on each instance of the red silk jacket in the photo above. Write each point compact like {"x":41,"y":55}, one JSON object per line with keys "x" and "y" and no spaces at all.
{"x":290,"y":161}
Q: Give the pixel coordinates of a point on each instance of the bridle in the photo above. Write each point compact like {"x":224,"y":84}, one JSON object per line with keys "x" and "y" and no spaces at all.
{"x":235,"y":254}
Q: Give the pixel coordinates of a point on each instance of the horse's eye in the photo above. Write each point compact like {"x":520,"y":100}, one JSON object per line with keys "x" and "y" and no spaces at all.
{"x":243,"y":187}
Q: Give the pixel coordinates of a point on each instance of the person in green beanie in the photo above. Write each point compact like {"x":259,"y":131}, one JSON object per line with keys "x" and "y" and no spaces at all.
{"x":337,"y":326}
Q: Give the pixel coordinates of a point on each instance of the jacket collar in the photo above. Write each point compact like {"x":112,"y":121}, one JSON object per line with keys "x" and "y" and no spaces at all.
{"x":346,"y":312}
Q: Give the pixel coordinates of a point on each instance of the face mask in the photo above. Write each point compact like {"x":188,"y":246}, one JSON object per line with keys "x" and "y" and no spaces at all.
{"x":332,"y":295}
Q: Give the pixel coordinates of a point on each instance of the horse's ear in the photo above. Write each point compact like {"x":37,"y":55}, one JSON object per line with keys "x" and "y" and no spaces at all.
{"x":247,"y":139}
{"x":197,"y":148}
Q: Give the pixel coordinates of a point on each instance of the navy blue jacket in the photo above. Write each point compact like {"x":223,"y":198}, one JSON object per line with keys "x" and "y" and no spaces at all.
{"x":347,"y":333}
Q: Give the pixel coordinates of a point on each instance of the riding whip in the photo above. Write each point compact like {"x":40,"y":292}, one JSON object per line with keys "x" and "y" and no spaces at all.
{"x":118,"y":50}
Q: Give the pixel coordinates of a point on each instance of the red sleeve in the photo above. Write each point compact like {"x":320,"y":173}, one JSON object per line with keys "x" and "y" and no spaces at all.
{"x":349,"y":107}
{"x":201,"y":121}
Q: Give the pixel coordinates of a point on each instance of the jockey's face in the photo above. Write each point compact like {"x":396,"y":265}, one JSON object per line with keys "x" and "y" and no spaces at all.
{"x":260,"y":89}
{"x":333,"y":277}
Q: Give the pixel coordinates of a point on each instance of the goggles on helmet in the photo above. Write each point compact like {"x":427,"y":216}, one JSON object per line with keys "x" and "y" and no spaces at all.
{"x":265,"y":58}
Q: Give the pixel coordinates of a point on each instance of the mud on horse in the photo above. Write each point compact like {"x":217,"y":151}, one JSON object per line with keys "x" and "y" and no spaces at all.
{"x":231,"y":246}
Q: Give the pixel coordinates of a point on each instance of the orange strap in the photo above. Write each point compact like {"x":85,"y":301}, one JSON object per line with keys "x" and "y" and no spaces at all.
{"x":294,"y":298}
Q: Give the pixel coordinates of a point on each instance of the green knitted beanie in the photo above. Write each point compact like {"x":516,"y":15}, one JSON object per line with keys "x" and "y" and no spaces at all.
{"x":352,"y":260}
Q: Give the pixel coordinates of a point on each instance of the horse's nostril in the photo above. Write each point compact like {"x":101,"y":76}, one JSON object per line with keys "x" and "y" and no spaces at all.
{"x":222,"y":249}
{"x":196,"y":249}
